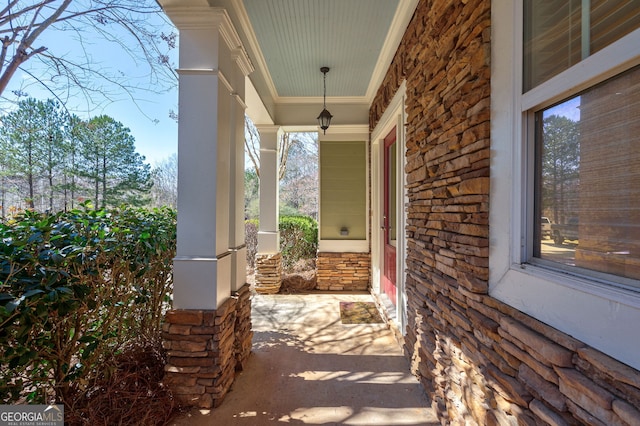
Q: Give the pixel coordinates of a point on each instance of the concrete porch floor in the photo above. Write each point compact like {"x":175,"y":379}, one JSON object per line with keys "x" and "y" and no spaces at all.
{"x":306,"y":367}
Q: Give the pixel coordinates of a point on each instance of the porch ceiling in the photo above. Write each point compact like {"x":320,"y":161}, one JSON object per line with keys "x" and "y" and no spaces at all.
{"x":297,"y":37}
{"x":289,"y":40}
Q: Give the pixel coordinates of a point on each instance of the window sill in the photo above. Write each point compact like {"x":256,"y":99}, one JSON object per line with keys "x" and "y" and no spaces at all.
{"x":598,"y":287}
{"x":601,"y":316}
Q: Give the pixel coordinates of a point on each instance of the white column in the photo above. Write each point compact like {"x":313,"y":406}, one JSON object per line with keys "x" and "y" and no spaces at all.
{"x":268,"y":234}
{"x":212,"y":63}
{"x":237,"y":244}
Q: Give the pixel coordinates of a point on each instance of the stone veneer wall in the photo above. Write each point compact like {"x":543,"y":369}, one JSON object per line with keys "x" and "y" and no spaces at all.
{"x":481,"y":361}
{"x":343,"y":271}
{"x":204,"y":349}
{"x":242,"y":329}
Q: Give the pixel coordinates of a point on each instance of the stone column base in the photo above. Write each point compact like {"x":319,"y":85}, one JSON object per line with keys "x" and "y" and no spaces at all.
{"x":243,"y":332}
{"x":201,"y":353}
{"x":268,"y":273}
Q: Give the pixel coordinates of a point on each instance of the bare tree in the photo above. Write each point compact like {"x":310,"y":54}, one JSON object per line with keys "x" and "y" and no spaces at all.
{"x":299,"y":186}
{"x":134,"y":26}
{"x":252,"y":148}
{"x":165,"y":182}
{"x":252,"y":144}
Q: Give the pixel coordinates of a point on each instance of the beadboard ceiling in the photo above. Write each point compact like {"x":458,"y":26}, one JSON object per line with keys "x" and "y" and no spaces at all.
{"x":297,"y":37}
{"x":289,"y":40}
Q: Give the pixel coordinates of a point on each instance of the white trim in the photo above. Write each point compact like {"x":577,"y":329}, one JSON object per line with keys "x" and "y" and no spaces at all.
{"x":256,"y":109}
{"x":388,"y":119}
{"x":254,"y":45}
{"x":376,"y":220}
{"x":213,"y":71}
{"x":394,"y":115}
{"x":239,"y":100}
{"x":343,"y":246}
{"x":625,"y":53}
{"x":344,"y":133}
{"x":314,"y":100}
{"x":241,"y":58}
{"x":202,"y":17}
{"x":599,"y":315}
{"x":225,"y":81}
{"x":197,"y":71}
{"x":194,"y":17}
{"x":398,"y":26}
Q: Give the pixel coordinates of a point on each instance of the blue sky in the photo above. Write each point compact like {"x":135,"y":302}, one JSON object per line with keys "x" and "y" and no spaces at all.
{"x":569,"y":109}
{"x":156,"y":134}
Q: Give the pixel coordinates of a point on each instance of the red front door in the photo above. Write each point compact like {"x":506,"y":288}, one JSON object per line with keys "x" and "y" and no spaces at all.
{"x":389,"y":217}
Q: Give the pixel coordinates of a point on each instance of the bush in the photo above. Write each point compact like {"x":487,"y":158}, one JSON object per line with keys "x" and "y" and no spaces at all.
{"x":75,"y":288}
{"x":251,"y":240}
{"x":298,"y":239}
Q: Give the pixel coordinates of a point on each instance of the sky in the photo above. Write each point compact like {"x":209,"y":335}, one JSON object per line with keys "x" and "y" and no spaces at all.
{"x":569,"y":109}
{"x":155,"y":132}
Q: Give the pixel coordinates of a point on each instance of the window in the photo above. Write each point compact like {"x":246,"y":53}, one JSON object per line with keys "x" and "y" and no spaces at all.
{"x":587,"y":147}
{"x":559,"y":33}
{"x":594,"y":100}
{"x":589,"y":178}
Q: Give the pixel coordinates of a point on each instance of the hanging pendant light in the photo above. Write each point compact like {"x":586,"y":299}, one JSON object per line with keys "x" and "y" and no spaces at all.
{"x":324,"y":119}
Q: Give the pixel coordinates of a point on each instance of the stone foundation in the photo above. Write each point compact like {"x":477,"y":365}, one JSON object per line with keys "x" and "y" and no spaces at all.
{"x":203,"y":349}
{"x":343,"y":271}
{"x":487,"y":363}
{"x":243,"y":332}
{"x":268,"y":273}
{"x":481,"y":361}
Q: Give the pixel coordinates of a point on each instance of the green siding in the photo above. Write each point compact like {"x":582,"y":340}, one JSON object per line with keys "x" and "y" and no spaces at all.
{"x":343,"y":190}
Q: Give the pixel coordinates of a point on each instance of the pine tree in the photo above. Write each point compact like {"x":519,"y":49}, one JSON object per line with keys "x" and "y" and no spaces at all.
{"x":117,"y":172}
{"x":25,"y":148}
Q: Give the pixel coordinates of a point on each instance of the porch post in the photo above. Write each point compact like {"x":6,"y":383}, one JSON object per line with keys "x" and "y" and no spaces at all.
{"x":269,"y":259}
{"x":200,"y":267}
{"x":237,"y":245}
{"x":202,"y":332}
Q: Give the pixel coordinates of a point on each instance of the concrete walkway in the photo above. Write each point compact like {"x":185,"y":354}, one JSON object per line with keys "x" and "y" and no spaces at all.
{"x":308,"y":368}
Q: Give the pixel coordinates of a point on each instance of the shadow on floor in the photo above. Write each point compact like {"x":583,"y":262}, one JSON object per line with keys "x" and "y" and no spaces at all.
{"x":308,"y":368}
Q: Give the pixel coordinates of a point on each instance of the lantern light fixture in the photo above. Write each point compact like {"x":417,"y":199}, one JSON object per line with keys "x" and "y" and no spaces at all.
{"x":324,"y":119}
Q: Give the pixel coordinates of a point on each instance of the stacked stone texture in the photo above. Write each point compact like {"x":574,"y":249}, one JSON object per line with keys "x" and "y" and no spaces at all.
{"x":343,"y":271}
{"x":268,"y":273}
{"x":243,"y":332}
{"x":481,"y":361}
{"x":201,"y":356}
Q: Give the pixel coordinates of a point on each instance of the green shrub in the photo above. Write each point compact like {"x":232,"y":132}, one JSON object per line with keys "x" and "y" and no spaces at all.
{"x":75,"y":287}
{"x":298,"y":239}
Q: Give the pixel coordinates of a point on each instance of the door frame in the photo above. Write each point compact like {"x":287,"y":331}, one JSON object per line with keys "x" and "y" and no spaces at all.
{"x":394,"y":116}
{"x":389,"y":256}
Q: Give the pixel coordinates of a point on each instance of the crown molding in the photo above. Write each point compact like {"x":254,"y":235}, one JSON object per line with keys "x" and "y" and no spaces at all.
{"x":401,"y":19}
{"x":314,"y":100}
{"x":254,"y":46}
{"x":203,"y":17}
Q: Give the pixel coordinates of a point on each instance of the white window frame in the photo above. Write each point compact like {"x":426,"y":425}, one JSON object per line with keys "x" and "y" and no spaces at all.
{"x":603,"y":316}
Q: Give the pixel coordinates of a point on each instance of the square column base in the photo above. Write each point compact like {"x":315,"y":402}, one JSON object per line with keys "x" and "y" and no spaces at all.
{"x":205,"y":348}
{"x":268,"y":273}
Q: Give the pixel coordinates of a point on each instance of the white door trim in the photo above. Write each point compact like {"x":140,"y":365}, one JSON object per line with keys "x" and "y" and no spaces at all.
{"x":394,"y":115}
